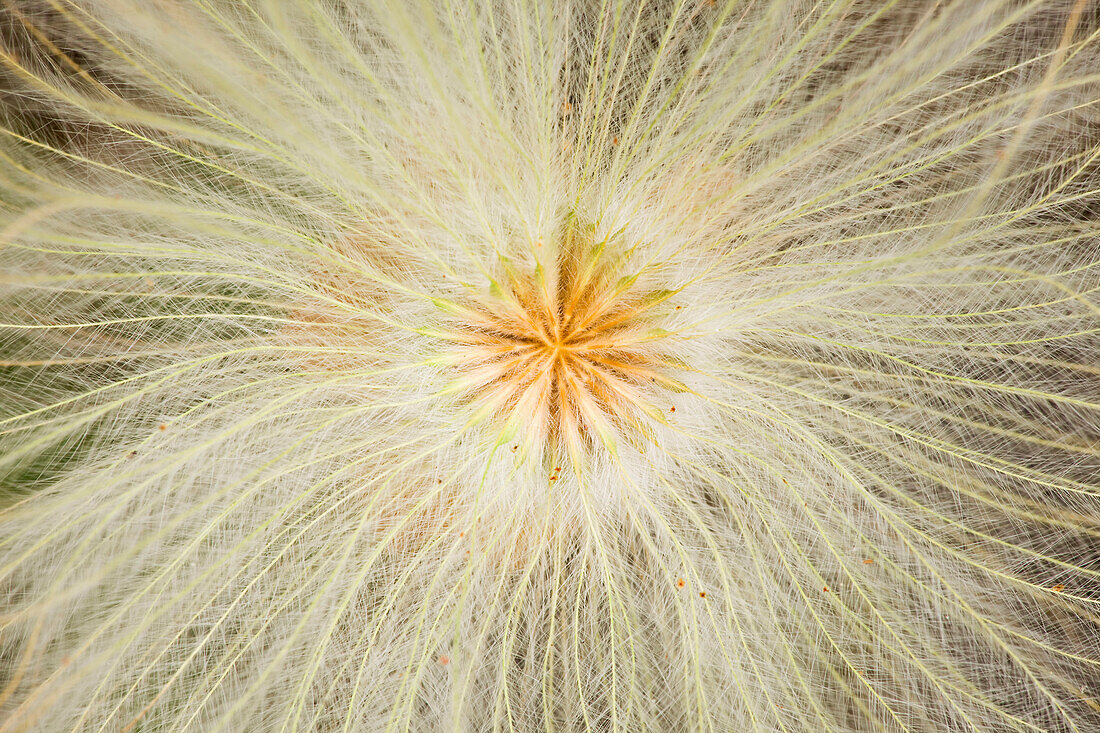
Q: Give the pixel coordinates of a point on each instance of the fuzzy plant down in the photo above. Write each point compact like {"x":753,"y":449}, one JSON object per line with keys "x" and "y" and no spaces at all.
{"x":531,"y":365}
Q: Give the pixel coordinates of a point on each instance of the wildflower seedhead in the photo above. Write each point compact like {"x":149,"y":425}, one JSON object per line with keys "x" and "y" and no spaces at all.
{"x":549,"y":366}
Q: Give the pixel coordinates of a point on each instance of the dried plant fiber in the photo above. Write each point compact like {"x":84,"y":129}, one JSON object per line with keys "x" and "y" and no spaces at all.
{"x":531,"y":365}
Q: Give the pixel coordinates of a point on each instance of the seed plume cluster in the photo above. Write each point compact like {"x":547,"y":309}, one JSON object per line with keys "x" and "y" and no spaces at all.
{"x":530,"y":365}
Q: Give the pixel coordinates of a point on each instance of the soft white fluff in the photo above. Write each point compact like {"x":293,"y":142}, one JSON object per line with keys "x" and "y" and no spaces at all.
{"x":267,"y":467}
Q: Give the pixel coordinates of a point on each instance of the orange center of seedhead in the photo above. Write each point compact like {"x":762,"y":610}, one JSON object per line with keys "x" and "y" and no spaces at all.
{"x":568,"y":351}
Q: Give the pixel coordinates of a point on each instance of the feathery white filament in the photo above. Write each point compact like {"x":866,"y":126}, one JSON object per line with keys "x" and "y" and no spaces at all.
{"x":517,"y":365}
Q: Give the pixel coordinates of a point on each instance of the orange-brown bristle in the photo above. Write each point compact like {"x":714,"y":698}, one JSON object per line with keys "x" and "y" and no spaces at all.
{"x":568,"y":353}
